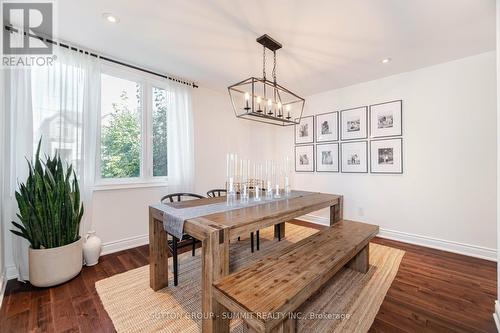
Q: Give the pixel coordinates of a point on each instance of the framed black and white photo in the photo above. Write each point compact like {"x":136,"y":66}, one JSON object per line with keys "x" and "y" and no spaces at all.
{"x":386,"y":119}
{"x":327,"y":125}
{"x":386,"y":156}
{"x":353,"y":124}
{"x":304,"y":158}
{"x":354,"y":157}
{"x":327,"y":157}
{"x":304,"y":132}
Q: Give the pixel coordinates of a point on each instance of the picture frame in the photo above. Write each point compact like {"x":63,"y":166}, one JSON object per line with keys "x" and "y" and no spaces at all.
{"x":386,"y":119}
{"x":327,"y":157}
{"x":327,"y":127}
{"x":354,"y":124}
{"x":304,"y":132}
{"x":354,"y":157}
{"x":386,"y":156}
{"x":304,"y":158}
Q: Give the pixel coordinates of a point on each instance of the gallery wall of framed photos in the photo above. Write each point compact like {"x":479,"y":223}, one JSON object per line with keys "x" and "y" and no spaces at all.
{"x":366,"y":139}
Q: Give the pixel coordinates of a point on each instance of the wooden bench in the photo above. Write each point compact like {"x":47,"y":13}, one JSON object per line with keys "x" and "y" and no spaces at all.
{"x":267,"y":293}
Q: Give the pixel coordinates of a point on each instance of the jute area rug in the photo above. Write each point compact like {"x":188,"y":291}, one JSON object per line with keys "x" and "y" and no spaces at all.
{"x":348,"y":303}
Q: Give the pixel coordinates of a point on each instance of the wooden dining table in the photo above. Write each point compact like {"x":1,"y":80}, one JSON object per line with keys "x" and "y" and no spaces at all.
{"x":216,"y":230}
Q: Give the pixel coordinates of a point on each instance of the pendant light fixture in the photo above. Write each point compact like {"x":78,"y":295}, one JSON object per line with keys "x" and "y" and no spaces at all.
{"x":265,"y":100}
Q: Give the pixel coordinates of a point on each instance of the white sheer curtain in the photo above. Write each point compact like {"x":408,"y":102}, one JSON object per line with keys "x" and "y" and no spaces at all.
{"x":59,"y":103}
{"x":180,"y":139}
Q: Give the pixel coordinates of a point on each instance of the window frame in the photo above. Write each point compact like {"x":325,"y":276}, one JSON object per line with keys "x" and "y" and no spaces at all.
{"x":146,"y":178}
{"x":160,"y":84}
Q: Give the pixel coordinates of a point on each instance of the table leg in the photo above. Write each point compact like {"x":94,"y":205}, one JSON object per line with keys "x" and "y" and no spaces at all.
{"x":215,"y":264}
{"x":158,"y":255}
{"x":279,"y":231}
{"x":221,"y":319}
{"x":337,"y":211}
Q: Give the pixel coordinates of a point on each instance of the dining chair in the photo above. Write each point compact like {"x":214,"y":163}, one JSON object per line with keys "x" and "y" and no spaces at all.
{"x":222,"y":192}
{"x":173,"y":244}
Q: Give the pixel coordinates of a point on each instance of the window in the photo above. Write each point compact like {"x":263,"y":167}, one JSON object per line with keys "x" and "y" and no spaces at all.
{"x":159,"y":100}
{"x":121,"y":110}
{"x":133,"y":130}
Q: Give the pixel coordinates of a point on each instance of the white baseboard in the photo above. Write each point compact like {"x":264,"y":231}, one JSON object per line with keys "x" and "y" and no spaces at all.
{"x":496,"y":315}
{"x":124,"y":244}
{"x":435,"y":243}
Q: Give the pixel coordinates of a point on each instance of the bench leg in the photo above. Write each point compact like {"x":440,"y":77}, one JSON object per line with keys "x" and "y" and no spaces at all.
{"x":361,"y":261}
{"x":288,"y":325}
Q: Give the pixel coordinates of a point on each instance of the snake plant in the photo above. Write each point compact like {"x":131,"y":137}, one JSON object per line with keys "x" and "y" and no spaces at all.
{"x":49,"y":204}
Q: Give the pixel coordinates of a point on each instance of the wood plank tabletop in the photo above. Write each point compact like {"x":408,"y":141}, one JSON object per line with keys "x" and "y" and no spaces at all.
{"x":307,"y":203}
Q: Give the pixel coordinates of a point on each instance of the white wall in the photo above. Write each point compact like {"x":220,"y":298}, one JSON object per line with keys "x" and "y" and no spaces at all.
{"x":218,"y":131}
{"x":448,"y":189}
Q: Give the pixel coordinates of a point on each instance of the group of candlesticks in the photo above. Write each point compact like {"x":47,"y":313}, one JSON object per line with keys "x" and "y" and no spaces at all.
{"x":269,"y":110}
{"x":245,"y":178}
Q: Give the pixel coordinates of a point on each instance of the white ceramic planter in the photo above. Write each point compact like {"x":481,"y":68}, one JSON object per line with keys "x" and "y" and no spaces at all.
{"x":49,"y":267}
{"x":91,"y":249}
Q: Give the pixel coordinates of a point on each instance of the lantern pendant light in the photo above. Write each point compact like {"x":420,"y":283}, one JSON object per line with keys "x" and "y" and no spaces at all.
{"x":265,"y":100}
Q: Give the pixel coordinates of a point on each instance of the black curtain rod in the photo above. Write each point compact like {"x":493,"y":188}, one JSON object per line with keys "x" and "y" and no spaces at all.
{"x":191,"y":84}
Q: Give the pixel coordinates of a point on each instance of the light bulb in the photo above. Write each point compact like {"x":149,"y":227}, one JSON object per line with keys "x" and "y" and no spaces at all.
{"x":247,"y":96}
{"x":259,"y":99}
{"x":279,"y":105}
{"x":269,"y":102}
{"x":288,"y":107}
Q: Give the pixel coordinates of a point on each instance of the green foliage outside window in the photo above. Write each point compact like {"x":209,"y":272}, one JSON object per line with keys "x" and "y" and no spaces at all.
{"x":121,"y":138}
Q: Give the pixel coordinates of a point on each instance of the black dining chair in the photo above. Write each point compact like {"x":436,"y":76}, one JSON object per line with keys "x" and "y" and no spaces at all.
{"x":222,"y":192}
{"x":173,"y":244}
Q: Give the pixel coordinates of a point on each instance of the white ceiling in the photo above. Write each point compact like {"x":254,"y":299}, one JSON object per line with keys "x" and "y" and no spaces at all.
{"x":327,"y":44}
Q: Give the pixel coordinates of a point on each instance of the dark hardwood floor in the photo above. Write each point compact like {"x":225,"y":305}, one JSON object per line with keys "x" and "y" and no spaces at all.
{"x":434,"y":291}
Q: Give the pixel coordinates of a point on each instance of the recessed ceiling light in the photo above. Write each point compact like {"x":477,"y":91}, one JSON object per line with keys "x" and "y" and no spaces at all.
{"x":110,"y":18}
{"x":386,"y":60}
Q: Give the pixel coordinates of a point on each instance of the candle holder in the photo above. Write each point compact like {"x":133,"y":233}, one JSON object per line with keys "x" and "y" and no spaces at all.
{"x":231,"y":168}
{"x":277,"y":174}
{"x":257,"y":181}
{"x":269,"y":177}
{"x":244,"y":194}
